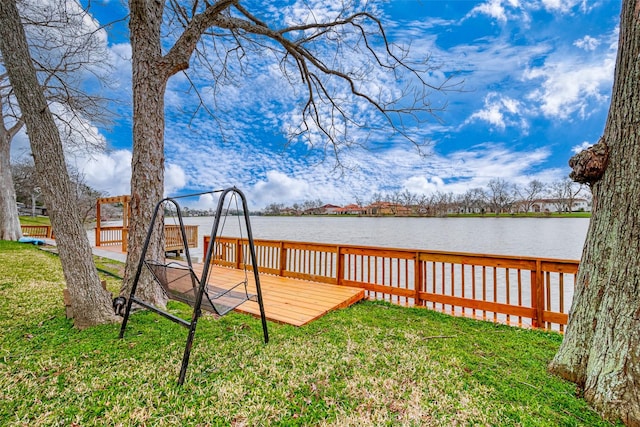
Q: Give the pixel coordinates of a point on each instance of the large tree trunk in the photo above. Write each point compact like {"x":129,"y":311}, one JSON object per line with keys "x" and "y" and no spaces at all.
{"x":601,"y":347}
{"x":147,"y":165}
{"x":9,"y":220}
{"x":91,"y":304}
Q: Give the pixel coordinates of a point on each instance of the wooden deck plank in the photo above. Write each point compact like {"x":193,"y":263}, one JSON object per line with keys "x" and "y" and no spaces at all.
{"x":292,"y":301}
{"x":302,"y":296}
{"x":305,"y":295}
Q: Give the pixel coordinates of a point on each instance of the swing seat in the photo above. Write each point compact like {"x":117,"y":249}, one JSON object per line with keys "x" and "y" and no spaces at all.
{"x":180,"y":283}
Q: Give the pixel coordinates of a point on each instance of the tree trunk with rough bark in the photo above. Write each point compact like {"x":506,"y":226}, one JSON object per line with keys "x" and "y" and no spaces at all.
{"x":601,"y":348}
{"x":9,"y":220}
{"x":147,"y":165}
{"x":91,"y":304}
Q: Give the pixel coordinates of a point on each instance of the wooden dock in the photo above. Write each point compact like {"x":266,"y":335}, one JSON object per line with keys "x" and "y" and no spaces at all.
{"x":292,"y":301}
{"x":286,"y":300}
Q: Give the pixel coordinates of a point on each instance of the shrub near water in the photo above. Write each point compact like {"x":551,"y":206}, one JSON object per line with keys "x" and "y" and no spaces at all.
{"x":372,"y":364}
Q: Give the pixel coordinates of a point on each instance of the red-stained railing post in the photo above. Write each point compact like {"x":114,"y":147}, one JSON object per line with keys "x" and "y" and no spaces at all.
{"x":125,"y":238}
{"x":282,"y":260}
{"x":537,"y":295}
{"x":417,"y":279}
{"x":340,"y":266}
{"x":205,"y":244}
{"x":98,"y":221}
{"x":239,"y":254}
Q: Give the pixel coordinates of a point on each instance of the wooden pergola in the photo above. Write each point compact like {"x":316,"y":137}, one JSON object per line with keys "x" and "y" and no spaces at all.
{"x":125,"y":200}
{"x":118,"y":235}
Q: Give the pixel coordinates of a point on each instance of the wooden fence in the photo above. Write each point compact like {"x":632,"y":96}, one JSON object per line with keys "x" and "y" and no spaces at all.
{"x":41,"y":231}
{"x":524,"y":291}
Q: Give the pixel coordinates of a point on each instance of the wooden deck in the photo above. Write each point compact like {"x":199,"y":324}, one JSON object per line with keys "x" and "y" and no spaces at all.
{"x":292,"y":301}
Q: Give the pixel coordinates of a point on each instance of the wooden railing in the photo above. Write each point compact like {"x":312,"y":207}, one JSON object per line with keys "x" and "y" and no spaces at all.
{"x":173,"y":237}
{"x":110,"y":236}
{"x":524,"y":291}
{"x":117,"y":235}
{"x":42,"y":231}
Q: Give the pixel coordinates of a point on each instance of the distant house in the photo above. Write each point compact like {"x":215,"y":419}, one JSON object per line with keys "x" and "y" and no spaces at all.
{"x":581,"y":205}
{"x":352,"y":209}
{"x":468,"y":209}
{"x":383,"y":208}
{"x":560,"y":205}
{"x":323,"y":210}
{"x":402,"y":210}
{"x":330,"y":210}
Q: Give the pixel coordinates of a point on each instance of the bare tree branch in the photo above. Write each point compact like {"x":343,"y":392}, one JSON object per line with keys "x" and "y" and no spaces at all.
{"x":323,"y":111}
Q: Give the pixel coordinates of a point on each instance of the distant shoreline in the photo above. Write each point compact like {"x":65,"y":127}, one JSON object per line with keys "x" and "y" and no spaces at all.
{"x":42,"y":220}
{"x":489,"y":215}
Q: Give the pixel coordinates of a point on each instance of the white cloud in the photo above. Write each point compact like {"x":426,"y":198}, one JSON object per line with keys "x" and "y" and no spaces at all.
{"x":587,"y":43}
{"x":492,"y":8}
{"x":109,"y":172}
{"x":500,"y":112}
{"x":580,"y":147}
{"x":504,"y":10}
{"x":423,"y":184}
{"x":564,"y":6}
{"x":303,"y":12}
{"x":479,"y":164}
{"x":575,"y":83}
{"x":205,"y":202}
{"x":174,"y":179}
{"x":492,"y":115}
{"x":76,"y":132}
{"x":399,"y":170}
{"x":278,"y":187}
{"x":455,"y":172}
{"x":313,"y":11}
{"x":120,"y":60}
{"x":493,"y":62}
{"x":570,"y":85}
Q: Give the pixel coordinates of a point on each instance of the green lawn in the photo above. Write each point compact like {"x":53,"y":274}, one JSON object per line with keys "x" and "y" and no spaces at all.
{"x":373,"y":364}
{"x":35,"y":220}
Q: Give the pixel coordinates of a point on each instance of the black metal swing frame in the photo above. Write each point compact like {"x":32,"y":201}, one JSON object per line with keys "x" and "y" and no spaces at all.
{"x":220,"y":301}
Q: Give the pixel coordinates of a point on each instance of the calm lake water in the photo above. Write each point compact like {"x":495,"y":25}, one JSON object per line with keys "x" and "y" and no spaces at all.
{"x":542,"y":237}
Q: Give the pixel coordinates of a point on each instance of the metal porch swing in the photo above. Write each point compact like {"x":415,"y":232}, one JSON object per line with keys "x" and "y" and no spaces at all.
{"x":181,"y":283}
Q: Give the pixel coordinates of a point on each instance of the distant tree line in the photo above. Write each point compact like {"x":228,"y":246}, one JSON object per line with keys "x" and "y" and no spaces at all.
{"x":499,"y":196}
{"x":297,"y":208}
{"x":29,"y":194}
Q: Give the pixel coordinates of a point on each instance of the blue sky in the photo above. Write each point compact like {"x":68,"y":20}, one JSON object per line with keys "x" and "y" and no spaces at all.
{"x":536,"y":75}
